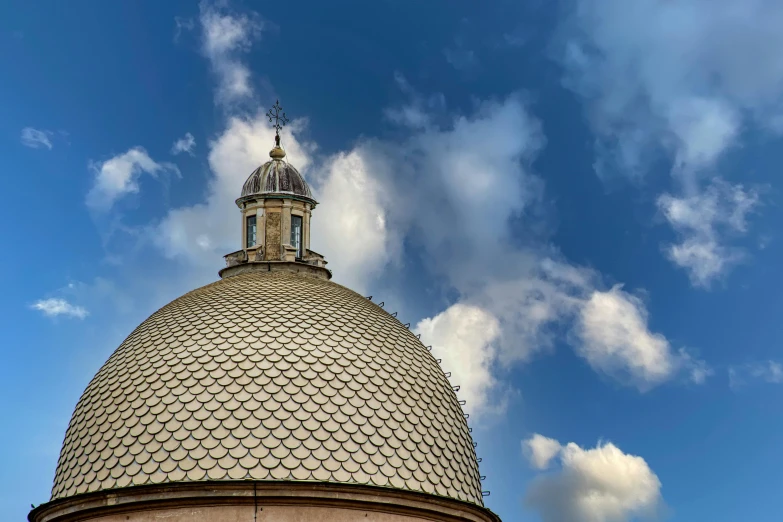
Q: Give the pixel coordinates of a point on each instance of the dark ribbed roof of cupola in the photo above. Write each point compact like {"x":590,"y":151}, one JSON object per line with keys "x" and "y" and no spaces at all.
{"x":277,"y":177}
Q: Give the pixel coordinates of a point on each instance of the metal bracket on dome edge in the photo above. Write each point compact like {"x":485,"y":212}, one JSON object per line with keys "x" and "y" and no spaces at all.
{"x":454,"y":388}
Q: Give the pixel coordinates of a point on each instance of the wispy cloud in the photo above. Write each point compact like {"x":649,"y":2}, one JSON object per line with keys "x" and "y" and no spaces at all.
{"x":182,"y":24}
{"x":225,"y":36}
{"x":119,"y":175}
{"x":766,"y":371}
{"x":36,"y":139}
{"x":683,"y":79}
{"x":418,"y":111}
{"x":54,"y":307}
{"x":601,"y":484}
{"x":703,"y":221}
{"x":185,"y":144}
{"x":460,"y":58}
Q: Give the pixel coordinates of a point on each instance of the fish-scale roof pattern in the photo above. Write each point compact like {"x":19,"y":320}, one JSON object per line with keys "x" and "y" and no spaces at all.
{"x":270,"y":376}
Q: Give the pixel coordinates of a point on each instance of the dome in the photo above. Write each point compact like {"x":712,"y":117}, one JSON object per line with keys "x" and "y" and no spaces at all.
{"x":270,"y":376}
{"x":277,"y":177}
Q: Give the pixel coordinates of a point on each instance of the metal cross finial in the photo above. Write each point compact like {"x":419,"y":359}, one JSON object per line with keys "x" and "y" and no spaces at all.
{"x":280,"y":119}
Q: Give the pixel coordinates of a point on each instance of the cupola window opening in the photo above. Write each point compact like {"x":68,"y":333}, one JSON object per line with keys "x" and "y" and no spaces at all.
{"x":251,"y":231}
{"x":296,"y":234}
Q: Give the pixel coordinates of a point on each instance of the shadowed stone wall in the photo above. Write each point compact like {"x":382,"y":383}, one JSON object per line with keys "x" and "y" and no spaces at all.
{"x":272,"y":249}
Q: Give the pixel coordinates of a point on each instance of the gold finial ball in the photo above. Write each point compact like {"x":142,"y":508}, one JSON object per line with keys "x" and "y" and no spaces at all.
{"x":277,"y":153}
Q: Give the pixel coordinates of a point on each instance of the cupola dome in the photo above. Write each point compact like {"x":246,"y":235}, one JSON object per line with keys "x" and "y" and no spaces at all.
{"x":276,"y":177}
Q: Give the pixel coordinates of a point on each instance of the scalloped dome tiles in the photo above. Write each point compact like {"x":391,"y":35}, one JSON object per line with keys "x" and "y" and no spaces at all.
{"x":270,"y":376}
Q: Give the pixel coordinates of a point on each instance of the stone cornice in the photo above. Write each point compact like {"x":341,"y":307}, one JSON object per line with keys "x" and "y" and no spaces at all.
{"x":276,"y":266}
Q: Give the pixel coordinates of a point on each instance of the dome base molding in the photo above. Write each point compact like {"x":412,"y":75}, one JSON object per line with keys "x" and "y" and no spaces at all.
{"x":259,"y":501}
{"x":295,"y":267}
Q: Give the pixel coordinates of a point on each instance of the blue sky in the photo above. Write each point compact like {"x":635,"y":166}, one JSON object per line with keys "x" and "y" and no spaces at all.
{"x":576,"y":203}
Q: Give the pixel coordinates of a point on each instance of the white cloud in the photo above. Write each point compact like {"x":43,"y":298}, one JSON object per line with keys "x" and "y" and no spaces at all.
{"x":703,"y":128}
{"x":600,"y":484}
{"x":225,"y":36}
{"x":674,"y":74}
{"x":119,"y":175}
{"x":534,"y":305}
{"x":54,"y":307}
{"x":185,"y":144}
{"x":465,"y":336}
{"x":351,"y":224}
{"x":508,"y":321}
{"x":501,"y":323}
{"x":701,"y":221}
{"x":616,"y":340}
{"x":540,"y":450}
{"x":453,"y":188}
{"x":680,"y":77}
{"x":36,"y":139}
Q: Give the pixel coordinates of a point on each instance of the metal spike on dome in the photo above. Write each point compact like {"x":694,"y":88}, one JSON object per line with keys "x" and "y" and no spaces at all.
{"x":381,"y":304}
{"x":483,"y":477}
{"x":448,"y":375}
{"x":485,"y":493}
{"x":394,"y":314}
{"x":466,"y":415}
{"x":369,"y":297}
{"x":438,"y":360}
{"x":470,"y":430}
{"x":418,"y":336}
{"x":407,"y":325}
{"x":429,"y":348}
{"x":475,"y":444}
{"x":463,"y":402}
{"x":455,"y":388}
{"x":479,"y":460}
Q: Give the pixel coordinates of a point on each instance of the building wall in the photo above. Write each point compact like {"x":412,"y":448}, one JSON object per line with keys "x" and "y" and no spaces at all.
{"x":264,"y":514}
{"x":261,"y":501}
